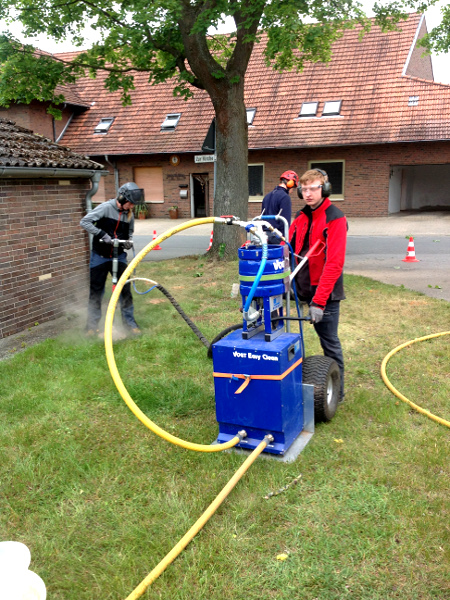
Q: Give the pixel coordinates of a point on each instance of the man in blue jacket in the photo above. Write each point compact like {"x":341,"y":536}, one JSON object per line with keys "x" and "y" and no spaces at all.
{"x":111,"y":220}
{"x":278,"y":201}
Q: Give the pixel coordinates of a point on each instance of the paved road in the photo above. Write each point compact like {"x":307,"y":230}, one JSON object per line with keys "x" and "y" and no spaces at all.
{"x":375,"y":249}
{"x":381,"y":258}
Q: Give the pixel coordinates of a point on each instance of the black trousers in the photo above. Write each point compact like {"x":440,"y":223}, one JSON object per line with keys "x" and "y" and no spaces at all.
{"x":327,"y":330}
{"x":97,"y":284}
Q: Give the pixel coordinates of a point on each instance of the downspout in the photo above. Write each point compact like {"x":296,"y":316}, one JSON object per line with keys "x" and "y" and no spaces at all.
{"x":94,"y":189}
{"x":116,"y":173}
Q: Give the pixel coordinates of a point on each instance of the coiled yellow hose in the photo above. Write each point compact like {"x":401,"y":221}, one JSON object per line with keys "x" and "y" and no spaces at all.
{"x":110,"y":352}
{"x":419,"y":409}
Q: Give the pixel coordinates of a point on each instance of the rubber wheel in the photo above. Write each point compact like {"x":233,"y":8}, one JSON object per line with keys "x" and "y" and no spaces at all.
{"x":323,"y":373}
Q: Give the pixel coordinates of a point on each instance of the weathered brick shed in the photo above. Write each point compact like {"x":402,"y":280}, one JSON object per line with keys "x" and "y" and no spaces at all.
{"x":44,"y":253}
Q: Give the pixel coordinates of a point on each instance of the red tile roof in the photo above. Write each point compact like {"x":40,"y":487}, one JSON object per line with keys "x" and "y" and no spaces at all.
{"x":366,"y":75}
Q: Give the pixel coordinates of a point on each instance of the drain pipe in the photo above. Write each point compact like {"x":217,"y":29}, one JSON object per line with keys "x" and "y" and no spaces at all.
{"x":116,"y":173}
{"x":94,"y":189}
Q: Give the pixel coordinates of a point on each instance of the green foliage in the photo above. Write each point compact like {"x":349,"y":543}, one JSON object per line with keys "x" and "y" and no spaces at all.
{"x":169,"y":40}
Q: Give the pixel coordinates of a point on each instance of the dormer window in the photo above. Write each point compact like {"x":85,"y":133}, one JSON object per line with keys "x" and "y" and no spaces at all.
{"x":308,"y":109}
{"x":332,"y":108}
{"x":413,"y":101}
{"x":171,"y":121}
{"x":104,"y":125}
{"x":251,"y":112}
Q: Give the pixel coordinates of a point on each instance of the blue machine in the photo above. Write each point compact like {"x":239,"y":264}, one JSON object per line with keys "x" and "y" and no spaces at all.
{"x":258,"y":369}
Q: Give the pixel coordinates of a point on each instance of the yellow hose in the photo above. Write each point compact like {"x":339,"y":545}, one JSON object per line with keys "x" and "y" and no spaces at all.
{"x":423,"y":411}
{"x":178,"y":548}
{"x":110,"y":352}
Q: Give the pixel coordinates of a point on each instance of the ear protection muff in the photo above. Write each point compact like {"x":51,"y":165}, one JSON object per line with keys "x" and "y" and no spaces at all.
{"x":326,"y":186}
{"x":290,"y":183}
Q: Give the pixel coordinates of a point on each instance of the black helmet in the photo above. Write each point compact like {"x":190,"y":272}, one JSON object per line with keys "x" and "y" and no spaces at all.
{"x":130,"y":192}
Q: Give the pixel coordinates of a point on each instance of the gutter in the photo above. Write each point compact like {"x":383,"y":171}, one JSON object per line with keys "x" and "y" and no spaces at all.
{"x":69,"y":120}
{"x":41,"y":172}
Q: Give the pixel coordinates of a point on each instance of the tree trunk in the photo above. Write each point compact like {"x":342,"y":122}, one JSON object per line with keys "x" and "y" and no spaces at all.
{"x":231,"y":186}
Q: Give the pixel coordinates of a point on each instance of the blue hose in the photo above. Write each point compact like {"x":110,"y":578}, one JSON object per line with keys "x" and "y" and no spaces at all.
{"x":265,"y":254}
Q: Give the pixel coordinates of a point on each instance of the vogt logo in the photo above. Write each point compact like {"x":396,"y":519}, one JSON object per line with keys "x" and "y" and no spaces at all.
{"x":278,"y":264}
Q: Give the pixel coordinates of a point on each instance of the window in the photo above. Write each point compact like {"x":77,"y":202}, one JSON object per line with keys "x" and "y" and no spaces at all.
{"x":335,"y":169}
{"x":256,"y":182}
{"x":250,"y":115}
{"x":308,"y":109}
{"x":104,"y":125}
{"x":150,"y":179}
{"x":413,"y":100}
{"x":171,"y":121}
{"x":332,"y":108}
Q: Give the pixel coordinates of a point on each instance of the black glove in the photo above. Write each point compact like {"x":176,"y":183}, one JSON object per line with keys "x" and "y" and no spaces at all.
{"x":107,"y":239}
{"x":316,"y":314}
{"x":128,"y":244}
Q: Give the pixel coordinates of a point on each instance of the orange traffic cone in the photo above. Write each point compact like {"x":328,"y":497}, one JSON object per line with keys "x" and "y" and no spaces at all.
{"x":157,"y":247}
{"x":210,"y":241}
{"x":410,"y":253}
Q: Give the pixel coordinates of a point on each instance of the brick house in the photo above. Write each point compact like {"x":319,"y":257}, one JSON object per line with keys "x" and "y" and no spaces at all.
{"x":44,"y":253}
{"x":373,"y":118}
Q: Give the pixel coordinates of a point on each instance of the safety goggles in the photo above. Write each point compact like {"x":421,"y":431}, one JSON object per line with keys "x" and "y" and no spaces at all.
{"x":311,"y":188}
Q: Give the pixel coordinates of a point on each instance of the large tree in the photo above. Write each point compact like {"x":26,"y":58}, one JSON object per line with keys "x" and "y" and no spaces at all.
{"x":169,"y":39}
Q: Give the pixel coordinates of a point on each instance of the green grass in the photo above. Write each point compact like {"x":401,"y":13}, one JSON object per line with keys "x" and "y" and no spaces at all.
{"x":100,"y":500}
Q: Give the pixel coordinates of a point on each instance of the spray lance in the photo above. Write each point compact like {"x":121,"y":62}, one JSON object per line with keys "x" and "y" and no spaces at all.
{"x":115,"y":259}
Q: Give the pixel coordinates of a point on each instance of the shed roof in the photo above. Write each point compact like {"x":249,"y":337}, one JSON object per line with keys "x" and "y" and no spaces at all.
{"x":20,"y":147}
{"x":371,"y":77}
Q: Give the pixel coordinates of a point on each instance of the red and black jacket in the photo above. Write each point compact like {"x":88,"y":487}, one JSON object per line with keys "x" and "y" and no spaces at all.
{"x":328,"y":224}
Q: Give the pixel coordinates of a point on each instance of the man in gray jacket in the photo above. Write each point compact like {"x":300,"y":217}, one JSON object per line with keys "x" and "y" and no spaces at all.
{"x":111,"y":220}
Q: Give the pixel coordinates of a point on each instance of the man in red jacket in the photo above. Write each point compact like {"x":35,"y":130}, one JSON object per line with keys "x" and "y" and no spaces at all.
{"x":320,"y":281}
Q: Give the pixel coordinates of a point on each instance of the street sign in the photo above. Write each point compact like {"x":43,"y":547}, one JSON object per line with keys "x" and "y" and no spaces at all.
{"x":204,"y":158}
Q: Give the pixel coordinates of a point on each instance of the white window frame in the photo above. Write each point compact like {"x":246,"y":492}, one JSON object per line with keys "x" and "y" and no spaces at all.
{"x":332,"y":113}
{"x":413,"y":101}
{"x":104,"y":124}
{"x":333,"y":197}
{"x":171,"y":121}
{"x":258,"y":198}
{"x":306,"y":115}
{"x":251,"y":112}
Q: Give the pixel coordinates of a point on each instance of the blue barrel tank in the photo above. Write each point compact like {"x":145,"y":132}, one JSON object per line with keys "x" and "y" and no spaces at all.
{"x":275,"y":279}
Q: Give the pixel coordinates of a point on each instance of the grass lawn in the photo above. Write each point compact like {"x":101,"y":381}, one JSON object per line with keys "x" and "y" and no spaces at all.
{"x":100,"y":500}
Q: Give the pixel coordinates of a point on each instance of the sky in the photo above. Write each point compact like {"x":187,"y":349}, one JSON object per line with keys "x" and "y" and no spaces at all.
{"x":441,"y":63}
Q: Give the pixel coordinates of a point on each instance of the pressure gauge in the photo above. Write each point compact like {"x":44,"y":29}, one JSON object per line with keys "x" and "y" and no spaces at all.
{"x":174,"y":160}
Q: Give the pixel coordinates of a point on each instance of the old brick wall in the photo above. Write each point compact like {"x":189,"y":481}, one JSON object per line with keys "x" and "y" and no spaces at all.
{"x":419,"y":64}
{"x":173,"y":177}
{"x":44,"y":253}
{"x":367,"y":171}
{"x":34,"y":116}
{"x":366,"y":183}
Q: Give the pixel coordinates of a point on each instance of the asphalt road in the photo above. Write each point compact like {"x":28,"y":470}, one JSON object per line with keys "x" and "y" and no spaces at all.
{"x":378,"y":257}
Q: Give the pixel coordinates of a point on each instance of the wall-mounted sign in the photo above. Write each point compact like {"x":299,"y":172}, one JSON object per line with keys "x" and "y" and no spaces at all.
{"x":204,"y":158}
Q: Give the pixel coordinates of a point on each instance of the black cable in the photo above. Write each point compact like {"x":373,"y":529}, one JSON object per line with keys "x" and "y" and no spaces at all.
{"x":178,"y":308}
{"x":221,"y":335}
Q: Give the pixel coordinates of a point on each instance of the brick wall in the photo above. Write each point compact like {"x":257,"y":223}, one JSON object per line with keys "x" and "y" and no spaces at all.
{"x":34,"y":116}
{"x":366,"y":185}
{"x":420,"y":65}
{"x":44,"y":253}
{"x":367,"y":171}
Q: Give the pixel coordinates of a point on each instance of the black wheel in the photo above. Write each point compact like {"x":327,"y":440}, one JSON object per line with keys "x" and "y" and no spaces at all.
{"x":323,"y":373}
